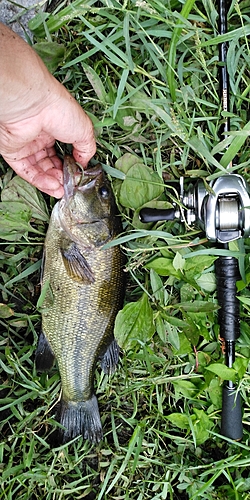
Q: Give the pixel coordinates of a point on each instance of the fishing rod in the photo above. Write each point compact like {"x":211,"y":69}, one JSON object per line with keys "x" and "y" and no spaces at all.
{"x":221,"y":212}
{"x":227,"y":274}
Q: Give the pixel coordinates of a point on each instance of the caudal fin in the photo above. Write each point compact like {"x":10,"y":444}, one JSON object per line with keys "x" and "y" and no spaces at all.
{"x":80,"y":418}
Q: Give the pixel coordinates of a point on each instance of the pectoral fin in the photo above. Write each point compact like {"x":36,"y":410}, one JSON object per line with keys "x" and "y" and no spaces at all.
{"x":76,"y":265}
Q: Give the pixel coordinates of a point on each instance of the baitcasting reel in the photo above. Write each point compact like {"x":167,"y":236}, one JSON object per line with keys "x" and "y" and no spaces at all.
{"x":222,"y":212}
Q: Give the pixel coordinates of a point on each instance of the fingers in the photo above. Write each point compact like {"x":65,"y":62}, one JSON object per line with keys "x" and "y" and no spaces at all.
{"x":66,"y":121}
{"x":85,"y":148}
{"x":43,"y":175}
{"x":83,"y":157}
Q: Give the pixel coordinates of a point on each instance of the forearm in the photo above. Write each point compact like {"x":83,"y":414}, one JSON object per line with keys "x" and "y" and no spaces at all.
{"x":25,"y":82}
{"x":35,"y":111}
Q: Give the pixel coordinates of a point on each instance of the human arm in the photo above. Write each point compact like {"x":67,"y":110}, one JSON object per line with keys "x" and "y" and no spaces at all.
{"x":35,"y":111}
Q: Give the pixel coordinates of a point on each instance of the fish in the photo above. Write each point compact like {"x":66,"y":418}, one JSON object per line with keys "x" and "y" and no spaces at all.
{"x":83,"y":287}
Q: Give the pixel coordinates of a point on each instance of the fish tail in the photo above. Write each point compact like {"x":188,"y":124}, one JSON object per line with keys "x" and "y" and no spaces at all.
{"x":110,"y":358}
{"x":80,"y":418}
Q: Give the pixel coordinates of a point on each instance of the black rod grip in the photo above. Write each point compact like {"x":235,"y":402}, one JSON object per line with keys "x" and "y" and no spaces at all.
{"x":156,"y":214}
{"x":231,"y":417}
{"x":227,"y":274}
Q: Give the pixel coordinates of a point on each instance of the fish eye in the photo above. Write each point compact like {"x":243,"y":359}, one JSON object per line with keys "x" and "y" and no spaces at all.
{"x":104,"y":192}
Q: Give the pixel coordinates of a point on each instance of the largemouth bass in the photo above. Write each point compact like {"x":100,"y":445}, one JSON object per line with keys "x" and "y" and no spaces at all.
{"x":83,"y":287}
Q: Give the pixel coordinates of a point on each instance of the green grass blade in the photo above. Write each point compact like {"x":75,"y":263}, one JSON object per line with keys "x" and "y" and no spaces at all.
{"x":120,"y":91}
{"x":24,"y":274}
{"x":235,"y":146}
{"x":172,"y":49}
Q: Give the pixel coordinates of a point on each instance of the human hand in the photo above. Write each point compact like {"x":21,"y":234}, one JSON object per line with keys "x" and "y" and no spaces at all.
{"x":28,"y":145}
{"x":35,"y":111}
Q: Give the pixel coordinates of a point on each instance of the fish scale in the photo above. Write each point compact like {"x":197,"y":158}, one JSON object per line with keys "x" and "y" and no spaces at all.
{"x":85,"y":292}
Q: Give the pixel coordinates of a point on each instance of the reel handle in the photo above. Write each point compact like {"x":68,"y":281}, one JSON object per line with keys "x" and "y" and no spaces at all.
{"x":155,"y":214}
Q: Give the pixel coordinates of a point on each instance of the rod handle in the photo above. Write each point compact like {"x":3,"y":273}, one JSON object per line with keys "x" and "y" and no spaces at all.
{"x":231,"y":417}
{"x":155,"y":214}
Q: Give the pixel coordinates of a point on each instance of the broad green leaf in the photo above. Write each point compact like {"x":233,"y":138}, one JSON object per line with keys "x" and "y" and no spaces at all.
{"x":125,"y":118}
{"x":185,"y":346}
{"x":125,"y":162}
{"x":222,"y":371}
{"x":215,"y":392}
{"x":163,"y":266}
{"x":201,"y":424}
{"x":160,"y":328}
{"x":244,"y":300}
{"x":185,"y":387}
{"x":157,"y":287}
{"x":198,"y":263}
{"x":179,"y":262}
{"x":14,"y":220}
{"x":179,"y":420}
{"x":192,"y":331}
{"x":198,"y":306}
{"x":207,"y":281}
{"x":18,"y":190}
{"x":134,"y":323}
{"x":187,"y":292}
{"x":173,"y":336}
{"x":240,"y":366}
{"x":51,"y":53}
{"x":140,"y":186}
{"x":173,"y":320}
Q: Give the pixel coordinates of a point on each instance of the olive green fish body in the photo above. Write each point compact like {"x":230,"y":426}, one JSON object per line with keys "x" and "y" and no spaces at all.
{"x":83,"y":295}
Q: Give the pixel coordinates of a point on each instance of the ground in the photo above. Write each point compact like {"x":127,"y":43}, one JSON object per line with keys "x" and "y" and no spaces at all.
{"x":17,"y":16}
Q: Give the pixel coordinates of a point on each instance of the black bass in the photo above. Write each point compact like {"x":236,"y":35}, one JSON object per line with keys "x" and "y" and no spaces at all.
{"x":83,"y":287}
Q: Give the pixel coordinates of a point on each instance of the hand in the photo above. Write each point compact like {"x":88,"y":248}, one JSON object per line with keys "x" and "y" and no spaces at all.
{"x":35,"y":111}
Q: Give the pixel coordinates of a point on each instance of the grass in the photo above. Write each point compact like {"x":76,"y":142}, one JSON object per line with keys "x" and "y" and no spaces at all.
{"x":147,"y":74}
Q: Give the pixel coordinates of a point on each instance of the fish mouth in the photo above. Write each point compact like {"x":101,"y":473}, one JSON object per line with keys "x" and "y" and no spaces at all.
{"x":76,"y":178}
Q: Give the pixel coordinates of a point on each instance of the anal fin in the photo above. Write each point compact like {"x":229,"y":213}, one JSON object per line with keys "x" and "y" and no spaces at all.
{"x":44,"y":356}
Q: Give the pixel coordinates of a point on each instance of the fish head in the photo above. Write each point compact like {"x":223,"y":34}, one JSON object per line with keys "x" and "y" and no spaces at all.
{"x":88,"y":202}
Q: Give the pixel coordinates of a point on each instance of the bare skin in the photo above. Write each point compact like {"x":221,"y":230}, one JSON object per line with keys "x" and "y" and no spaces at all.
{"x":35,"y":111}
